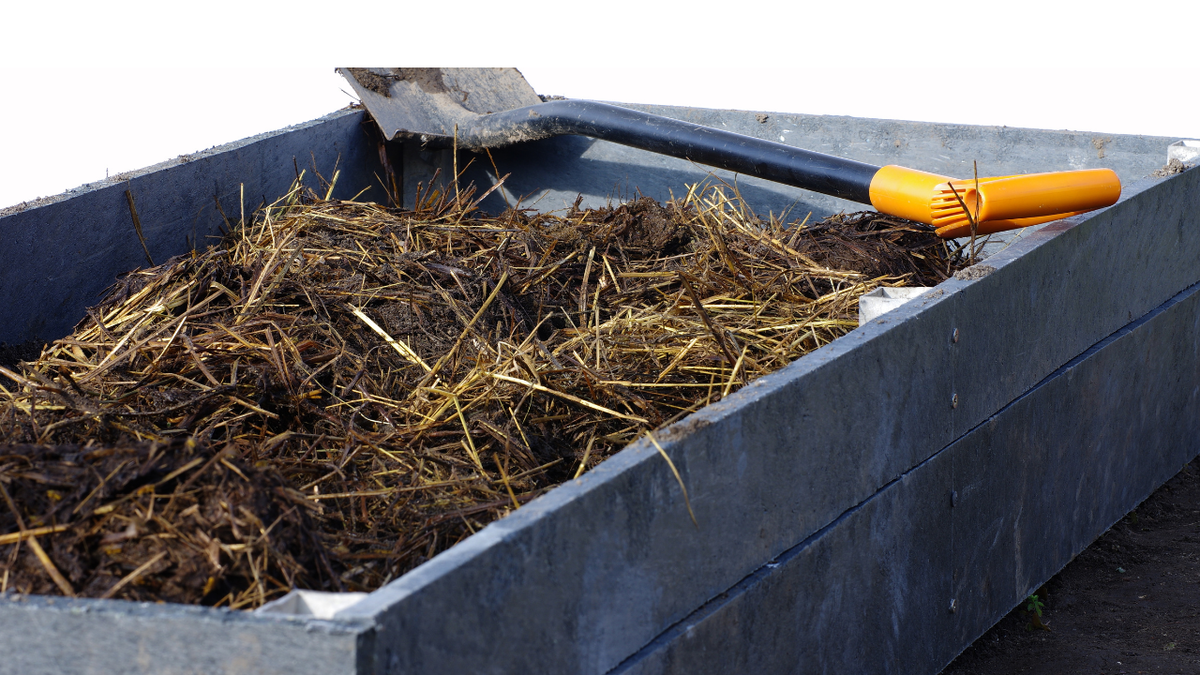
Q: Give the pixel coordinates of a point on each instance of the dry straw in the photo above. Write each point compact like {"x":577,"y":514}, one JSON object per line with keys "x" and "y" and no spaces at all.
{"x":341,"y":390}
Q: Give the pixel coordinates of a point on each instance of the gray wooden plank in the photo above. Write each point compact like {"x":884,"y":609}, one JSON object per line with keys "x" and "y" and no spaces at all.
{"x":866,"y":594}
{"x":981,"y":524}
{"x":61,"y":253}
{"x":81,"y":637}
{"x":1039,"y":482}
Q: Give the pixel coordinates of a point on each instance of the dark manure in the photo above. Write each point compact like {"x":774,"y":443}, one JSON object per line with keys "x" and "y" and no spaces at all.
{"x":338,"y":392}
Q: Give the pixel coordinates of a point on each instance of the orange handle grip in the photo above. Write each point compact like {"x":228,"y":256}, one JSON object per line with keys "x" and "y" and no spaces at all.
{"x":996,"y":203}
{"x":1037,"y":194}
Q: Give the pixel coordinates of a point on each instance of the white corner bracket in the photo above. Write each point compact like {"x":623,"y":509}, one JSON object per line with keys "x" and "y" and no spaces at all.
{"x":883,"y":300}
{"x":1185,"y":151}
{"x":317,"y":604}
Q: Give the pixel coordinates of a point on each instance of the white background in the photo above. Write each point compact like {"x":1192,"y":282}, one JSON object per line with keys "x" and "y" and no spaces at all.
{"x":90,"y":88}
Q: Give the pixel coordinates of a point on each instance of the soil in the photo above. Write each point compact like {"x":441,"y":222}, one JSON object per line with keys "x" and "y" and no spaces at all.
{"x":428,"y":79}
{"x":373,"y":81}
{"x":1172,"y":167}
{"x":974,"y":272}
{"x":1130,"y":603}
{"x":10,"y":355}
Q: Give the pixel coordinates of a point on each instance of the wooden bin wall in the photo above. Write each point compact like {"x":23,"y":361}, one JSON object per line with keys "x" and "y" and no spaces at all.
{"x":875,"y":506}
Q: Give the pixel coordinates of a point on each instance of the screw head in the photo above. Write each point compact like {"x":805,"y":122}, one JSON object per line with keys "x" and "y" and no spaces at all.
{"x":954,"y":401}
{"x":954,"y":337}
{"x":953,"y":605}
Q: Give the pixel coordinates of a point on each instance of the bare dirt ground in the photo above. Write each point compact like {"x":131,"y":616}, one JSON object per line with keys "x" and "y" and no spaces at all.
{"x":1130,"y":603}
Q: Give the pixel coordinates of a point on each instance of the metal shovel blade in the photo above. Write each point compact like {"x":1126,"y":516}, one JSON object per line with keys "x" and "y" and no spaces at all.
{"x":427,"y":103}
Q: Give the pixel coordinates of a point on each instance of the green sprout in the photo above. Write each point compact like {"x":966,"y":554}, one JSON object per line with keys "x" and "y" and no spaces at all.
{"x":1034,"y":605}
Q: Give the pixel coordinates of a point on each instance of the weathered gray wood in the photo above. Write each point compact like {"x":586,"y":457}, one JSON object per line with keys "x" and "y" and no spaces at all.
{"x":1037,"y":483}
{"x":61,"y":253}
{"x":981,"y":524}
{"x":865,"y":595}
{"x":84,"y":637}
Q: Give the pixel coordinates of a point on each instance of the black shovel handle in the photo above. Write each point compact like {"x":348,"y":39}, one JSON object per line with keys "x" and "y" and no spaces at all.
{"x":747,"y":155}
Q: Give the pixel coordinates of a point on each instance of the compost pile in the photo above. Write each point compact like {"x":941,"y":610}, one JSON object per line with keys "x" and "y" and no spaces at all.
{"x":341,"y":390}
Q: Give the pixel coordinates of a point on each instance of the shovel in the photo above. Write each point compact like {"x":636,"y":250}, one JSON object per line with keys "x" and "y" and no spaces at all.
{"x":478,"y":108}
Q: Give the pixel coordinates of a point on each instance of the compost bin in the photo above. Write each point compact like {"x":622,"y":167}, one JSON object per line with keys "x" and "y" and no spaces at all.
{"x":873,"y":506}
